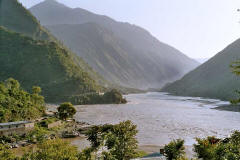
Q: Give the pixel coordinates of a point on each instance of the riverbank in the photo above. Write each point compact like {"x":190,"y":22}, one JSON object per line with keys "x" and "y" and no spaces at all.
{"x":232,"y":108}
{"x":161,"y":118}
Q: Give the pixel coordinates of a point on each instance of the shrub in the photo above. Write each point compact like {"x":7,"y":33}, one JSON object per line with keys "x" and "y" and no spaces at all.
{"x":54,"y":150}
{"x":175,"y":149}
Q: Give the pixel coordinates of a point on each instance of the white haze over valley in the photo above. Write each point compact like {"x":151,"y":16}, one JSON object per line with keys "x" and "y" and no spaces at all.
{"x":198,"y":28}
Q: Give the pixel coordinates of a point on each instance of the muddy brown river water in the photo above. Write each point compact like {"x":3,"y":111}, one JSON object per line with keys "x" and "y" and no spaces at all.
{"x":161,"y":117}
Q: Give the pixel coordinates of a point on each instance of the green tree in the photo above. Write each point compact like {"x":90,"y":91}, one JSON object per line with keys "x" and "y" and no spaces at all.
{"x":175,"y":149}
{"x":17,"y":104}
{"x":120,"y":140}
{"x":205,"y":148}
{"x":66,"y":110}
{"x":114,"y":96}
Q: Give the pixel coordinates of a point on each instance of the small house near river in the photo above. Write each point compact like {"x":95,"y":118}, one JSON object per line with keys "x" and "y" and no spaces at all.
{"x":20,"y":127}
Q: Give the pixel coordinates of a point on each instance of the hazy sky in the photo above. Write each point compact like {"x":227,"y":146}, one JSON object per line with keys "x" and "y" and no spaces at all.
{"x":198,"y":28}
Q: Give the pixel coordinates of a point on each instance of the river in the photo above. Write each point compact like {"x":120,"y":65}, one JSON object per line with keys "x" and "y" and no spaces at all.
{"x":161,"y":118}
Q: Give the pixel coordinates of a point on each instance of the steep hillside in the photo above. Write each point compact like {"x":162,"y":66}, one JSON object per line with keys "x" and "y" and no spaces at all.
{"x":31,"y":55}
{"x":124,"y":54}
{"x":108,"y":55}
{"x":15,"y":17}
{"x":41,"y":63}
{"x":212,"y":79}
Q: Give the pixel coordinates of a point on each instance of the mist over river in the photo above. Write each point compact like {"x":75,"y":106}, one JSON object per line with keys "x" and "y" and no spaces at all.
{"x":161,"y":117}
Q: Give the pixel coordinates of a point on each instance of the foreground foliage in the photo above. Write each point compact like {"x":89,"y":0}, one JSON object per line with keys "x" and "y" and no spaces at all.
{"x":119,"y":140}
{"x":175,"y":150}
{"x":210,"y":148}
{"x":53,"y":150}
{"x":5,"y":153}
{"x":17,"y":104}
{"x":116,"y":142}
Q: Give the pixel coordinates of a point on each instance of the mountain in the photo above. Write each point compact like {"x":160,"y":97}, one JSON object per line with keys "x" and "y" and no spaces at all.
{"x":34,"y":57}
{"x":41,"y":63}
{"x":213,"y":79}
{"x":122,"y":53}
{"x":15,"y":17}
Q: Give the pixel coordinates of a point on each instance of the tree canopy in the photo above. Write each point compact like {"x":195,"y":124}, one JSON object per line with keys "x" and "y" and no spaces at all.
{"x":16,"y":104}
{"x":120,"y":140}
{"x":66,"y":110}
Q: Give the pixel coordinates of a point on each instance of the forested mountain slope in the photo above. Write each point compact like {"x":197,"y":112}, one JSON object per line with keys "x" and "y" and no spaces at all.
{"x":35,"y":57}
{"x":213,"y":79}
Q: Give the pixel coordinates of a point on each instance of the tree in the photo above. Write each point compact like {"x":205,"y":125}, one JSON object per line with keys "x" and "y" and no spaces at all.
{"x":212,"y":148}
{"x":17,"y":104}
{"x":175,"y":150}
{"x":120,"y":140}
{"x":205,"y":148}
{"x":53,"y":150}
{"x":66,"y":110}
{"x":114,"y":96}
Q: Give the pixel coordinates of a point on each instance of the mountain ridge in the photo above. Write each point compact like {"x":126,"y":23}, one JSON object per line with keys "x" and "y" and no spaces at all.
{"x":34,"y":57}
{"x":213,"y":79}
{"x":127,"y":40}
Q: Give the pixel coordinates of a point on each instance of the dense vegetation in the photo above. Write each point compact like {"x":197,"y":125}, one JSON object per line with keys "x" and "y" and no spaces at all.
{"x":124,"y":54}
{"x":41,"y":63}
{"x":213,"y":79}
{"x":110,"y":97}
{"x":210,"y":148}
{"x":53,"y":150}
{"x":15,"y":17}
{"x":213,"y":148}
{"x":47,"y":63}
{"x":17,"y":104}
{"x":119,"y":140}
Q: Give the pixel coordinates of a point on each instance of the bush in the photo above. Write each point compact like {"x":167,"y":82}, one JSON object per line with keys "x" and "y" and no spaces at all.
{"x":6,"y":154}
{"x":39,"y":134}
{"x":175,"y":150}
{"x":54,"y":150}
